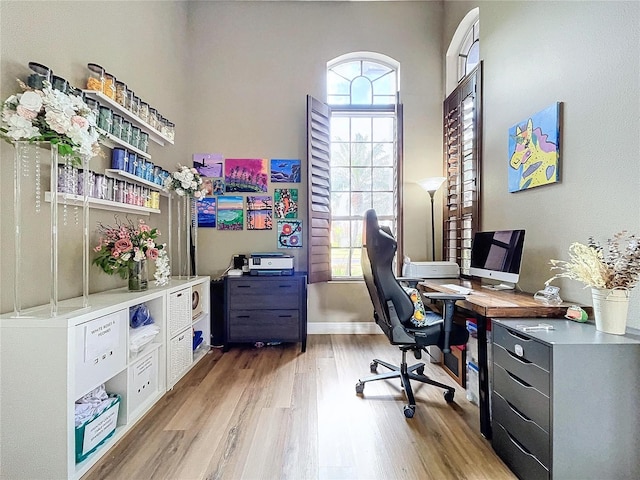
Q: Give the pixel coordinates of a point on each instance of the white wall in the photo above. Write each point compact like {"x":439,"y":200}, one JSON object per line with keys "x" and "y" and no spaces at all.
{"x":586,"y":55}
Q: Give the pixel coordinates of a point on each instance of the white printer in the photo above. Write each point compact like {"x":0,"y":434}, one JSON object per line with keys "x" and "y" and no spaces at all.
{"x":432,"y":270}
{"x":270,"y":263}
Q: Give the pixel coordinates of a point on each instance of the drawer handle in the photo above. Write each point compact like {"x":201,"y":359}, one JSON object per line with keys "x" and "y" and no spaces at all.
{"x":285,"y":286}
{"x":285,"y":316}
{"x":517,"y":412}
{"x":520,"y":381}
{"x":243,"y":286}
{"x":244,"y":316}
{"x":519,"y":358}
{"x":521,"y":447}
{"x":521,"y":337}
{"x":178,"y":294}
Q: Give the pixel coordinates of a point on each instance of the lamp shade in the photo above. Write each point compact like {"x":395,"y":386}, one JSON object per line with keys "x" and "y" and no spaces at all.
{"x":431,"y":184}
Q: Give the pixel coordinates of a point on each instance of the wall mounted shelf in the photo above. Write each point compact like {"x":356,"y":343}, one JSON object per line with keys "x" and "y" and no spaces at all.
{"x":154,"y":134}
{"x":100,"y":204}
{"x":122,"y":175}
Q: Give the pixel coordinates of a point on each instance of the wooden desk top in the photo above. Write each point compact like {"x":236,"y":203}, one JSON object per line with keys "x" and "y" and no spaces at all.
{"x":497,"y":303}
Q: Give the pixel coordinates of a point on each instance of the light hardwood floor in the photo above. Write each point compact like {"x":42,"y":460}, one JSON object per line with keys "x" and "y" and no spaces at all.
{"x":276,"y":413}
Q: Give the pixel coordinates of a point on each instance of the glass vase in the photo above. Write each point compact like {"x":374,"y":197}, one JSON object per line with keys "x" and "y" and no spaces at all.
{"x":42,"y":175}
{"x":138,"y":276}
{"x":187,"y":237}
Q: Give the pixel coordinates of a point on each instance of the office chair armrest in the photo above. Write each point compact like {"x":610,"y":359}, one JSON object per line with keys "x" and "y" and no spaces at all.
{"x":409,"y":281}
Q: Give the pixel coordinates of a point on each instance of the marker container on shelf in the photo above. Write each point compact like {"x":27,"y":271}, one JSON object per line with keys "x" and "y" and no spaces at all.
{"x":95,"y":80}
{"x":109,"y":86}
{"x":116,"y":126}
{"x":105,"y":118}
{"x":40,"y":74}
{"x":121,"y":93}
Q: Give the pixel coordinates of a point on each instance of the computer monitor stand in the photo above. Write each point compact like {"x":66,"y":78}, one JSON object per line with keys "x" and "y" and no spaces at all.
{"x":499,"y":286}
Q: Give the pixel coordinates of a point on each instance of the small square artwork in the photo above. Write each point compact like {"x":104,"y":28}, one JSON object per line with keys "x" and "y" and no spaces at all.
{"x":207,"y":186}
{"x":207,"y":212}
{"x":259,"y":212}
{"x":289,"y":233}
{"x":217,"y":186}
{"x":286,"y":202}
{"x":534,"y":150}
{"x":208,"y":164}
{"x":230,"y":213}
{"x":245,"y":175}
{"x":285,"y":171}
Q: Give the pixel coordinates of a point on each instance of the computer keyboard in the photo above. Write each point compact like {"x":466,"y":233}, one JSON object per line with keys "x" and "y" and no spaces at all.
{"x":458,"y":288}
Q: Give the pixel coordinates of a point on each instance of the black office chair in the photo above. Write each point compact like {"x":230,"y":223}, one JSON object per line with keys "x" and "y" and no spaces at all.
{"x":394,"y":310}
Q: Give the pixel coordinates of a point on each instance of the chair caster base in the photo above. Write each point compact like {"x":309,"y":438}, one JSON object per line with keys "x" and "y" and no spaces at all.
{"x":359,"y":388}
{"x":448,"y":396}
{"x":409,"y":411}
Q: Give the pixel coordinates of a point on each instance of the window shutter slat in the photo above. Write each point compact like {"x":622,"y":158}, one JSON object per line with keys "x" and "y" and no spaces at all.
{"x":319,"y":206}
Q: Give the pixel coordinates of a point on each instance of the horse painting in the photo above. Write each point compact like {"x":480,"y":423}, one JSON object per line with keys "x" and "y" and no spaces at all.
{"x":534,"y":156}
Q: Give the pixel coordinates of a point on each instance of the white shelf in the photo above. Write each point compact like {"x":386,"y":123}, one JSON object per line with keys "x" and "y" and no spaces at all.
{"x":122,"y":175}
{"x":112,"y":141}
{"x":154,"y":134}
{"x":101,"y":204}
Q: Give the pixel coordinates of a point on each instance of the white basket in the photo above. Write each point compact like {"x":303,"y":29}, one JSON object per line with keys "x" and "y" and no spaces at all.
{"x":610,"y":308}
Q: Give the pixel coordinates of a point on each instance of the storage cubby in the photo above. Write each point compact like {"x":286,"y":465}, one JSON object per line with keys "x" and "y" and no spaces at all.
{"x":78,"y":352}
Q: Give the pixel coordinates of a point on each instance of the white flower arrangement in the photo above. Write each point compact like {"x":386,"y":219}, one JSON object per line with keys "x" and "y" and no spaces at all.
{"x":49,"y":115}
{"x":186,"y":182}
{"x":616,"y":266}
{"x":163,"y":269}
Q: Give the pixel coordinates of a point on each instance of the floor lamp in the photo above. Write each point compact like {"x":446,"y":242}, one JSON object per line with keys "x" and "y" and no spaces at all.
{"x":431,"y":185}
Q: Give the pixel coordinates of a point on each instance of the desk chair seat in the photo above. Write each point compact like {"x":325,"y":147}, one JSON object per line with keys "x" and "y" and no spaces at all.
{"x":394,"y":313}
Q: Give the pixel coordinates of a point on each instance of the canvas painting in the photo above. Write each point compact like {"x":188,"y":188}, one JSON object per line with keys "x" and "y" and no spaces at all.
{"x":534,"y":150}
{"x":285,"y":171}
{"x":286,"y":202}
{"x":230,"y":213}
{"x":217,"y":186}
{"x":207,"y":186}
{"x":245,"y":175}
{"x":259,"y":212}
{"x":289,"y":233}
{"x":207,"y":212}
{"x":208,"y":164}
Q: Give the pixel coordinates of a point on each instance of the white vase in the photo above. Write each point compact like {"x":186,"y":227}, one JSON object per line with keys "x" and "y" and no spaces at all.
{"x":610,"y":308}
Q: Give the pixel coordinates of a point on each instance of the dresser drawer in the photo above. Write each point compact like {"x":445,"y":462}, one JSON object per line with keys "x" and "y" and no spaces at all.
{"x":265,"y":325}
{"x":523,"y":463}
{"x":533,"y":438}
{"x":522,"y":368}
{"x":523,"y":346}
{"x":264,"y":293}
{"x":524,"y":397}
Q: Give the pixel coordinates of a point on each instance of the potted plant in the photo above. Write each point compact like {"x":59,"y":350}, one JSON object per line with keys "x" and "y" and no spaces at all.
{"x":610,"y":271}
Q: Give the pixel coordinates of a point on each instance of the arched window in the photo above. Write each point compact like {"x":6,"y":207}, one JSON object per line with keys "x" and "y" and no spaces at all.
{"x":469,"y":54}
{"x":362,"y":91}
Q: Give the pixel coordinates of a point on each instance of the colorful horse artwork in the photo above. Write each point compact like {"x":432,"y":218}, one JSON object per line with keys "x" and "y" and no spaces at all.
{"x":535,"y":150}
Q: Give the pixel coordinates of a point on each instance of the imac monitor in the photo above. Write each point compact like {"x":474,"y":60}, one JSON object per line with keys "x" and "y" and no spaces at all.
{"x":497,"y":256}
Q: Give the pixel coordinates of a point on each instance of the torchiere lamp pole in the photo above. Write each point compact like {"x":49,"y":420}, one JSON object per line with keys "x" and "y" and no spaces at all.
{"x":431,"y":185}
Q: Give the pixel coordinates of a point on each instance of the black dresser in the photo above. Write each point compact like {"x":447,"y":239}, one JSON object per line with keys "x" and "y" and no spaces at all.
{"x":266,"y":309}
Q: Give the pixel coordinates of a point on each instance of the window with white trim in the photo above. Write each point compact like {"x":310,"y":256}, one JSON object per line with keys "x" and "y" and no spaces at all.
{"x":363,"y":95}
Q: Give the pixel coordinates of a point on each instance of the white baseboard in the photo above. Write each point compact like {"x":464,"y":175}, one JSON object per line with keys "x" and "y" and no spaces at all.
{"x":338,"y":328}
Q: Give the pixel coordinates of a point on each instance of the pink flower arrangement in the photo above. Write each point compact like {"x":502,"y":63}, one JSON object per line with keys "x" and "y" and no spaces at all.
{"x":124,"y":243}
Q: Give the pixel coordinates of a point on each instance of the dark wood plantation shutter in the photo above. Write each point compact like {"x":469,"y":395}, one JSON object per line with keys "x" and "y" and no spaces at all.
{"x":319,"y":194}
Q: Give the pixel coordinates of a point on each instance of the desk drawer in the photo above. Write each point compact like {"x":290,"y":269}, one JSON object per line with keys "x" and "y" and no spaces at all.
{"x":532,"y":350}
{"x":526,"y":431}
{"x":524,"y":397}
{"x":523,"y":463}
{"x":263,"y":293}
{"x":264,"y":326}
{"x":522,"y":368}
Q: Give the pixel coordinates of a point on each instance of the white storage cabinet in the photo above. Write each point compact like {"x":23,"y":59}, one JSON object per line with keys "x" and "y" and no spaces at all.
{"x":48,"y":363}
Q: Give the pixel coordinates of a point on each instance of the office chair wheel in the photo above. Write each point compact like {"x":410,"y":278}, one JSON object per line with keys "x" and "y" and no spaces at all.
{"x":420,"y":370}
{"x":373,"y":367}
{"x":409,"y":410}
{"x":448,"y":396}
{"x":359,"y":388}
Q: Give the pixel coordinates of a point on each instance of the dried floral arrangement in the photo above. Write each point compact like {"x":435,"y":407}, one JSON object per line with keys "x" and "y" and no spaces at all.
{"x":615,"y":265}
